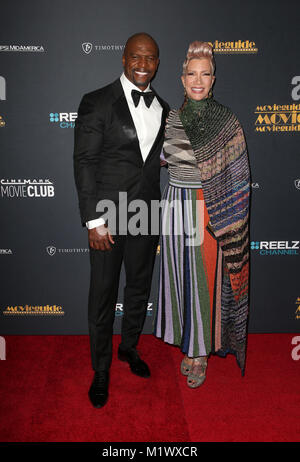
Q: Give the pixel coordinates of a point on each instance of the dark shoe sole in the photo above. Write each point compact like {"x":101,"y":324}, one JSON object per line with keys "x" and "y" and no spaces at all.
{"x":98,"y":406}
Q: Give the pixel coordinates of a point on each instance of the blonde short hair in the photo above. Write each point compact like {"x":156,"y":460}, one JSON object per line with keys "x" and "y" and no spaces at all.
{"x":198,"y":50}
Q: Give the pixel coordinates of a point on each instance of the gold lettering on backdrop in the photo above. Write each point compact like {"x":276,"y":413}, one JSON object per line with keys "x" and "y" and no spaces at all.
{"x":277,"y":118}
{"x":298,"y":308}
{"x":238,"y":46}
{"x":34,"y":310}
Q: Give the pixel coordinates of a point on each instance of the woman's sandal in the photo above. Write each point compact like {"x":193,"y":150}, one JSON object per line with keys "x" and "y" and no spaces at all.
{"x":197,"y":374}
{"x":185,"y":367}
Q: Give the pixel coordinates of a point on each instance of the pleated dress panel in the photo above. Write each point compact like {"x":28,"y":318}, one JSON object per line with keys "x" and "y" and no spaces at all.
{"x":187,"y":270}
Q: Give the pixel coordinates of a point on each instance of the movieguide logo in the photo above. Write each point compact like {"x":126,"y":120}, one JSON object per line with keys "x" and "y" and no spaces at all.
{"x":280,"y":118}
{"x":235,"y":47}
{"x":42,"y":310}
{"x":297,"y":313}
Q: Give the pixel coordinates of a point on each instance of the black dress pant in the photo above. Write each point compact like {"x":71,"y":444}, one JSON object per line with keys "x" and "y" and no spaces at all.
{"x":138,"y":254}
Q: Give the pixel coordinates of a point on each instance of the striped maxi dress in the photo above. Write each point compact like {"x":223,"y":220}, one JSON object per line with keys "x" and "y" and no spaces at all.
{"x":185,"y":314}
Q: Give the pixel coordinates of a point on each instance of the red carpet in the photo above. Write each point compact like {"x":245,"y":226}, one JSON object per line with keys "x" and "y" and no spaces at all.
{"x":45,"y":380}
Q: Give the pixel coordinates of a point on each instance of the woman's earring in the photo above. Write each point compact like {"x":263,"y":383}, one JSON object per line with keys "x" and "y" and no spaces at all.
{"x":210,"y":93}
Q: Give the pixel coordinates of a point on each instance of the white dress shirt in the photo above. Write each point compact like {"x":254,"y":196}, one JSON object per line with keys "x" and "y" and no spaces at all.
{"x":146,"y":121}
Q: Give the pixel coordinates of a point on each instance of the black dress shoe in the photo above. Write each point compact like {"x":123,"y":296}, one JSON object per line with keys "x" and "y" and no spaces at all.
{"x":98,"y":392}
{"x":137,"y":365}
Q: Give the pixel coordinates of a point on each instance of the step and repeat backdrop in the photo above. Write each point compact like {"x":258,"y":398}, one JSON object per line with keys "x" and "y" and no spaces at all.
{"x":51,"y":53}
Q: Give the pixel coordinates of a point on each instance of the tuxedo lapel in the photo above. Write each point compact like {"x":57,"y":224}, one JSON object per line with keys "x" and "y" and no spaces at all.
{"x":122,"y":111}
{"x":123,"y":114}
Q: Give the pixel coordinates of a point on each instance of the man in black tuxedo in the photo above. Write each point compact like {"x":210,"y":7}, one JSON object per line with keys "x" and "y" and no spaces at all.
{"x":118,"y":140}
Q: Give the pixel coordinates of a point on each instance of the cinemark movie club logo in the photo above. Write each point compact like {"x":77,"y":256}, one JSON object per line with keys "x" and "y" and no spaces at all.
{"x":34,"y":310}
{"x":280,"y":118}
{"x":26,"y":188}
{"x":276,"y":247}
{"x":64,"y":119}
{"x":234,"y":47}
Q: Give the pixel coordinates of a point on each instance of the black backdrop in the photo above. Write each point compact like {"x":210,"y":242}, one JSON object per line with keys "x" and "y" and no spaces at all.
{"x":53,"y":52}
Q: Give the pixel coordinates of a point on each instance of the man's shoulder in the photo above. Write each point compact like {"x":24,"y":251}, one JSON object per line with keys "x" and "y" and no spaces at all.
{"x":107,"y":93}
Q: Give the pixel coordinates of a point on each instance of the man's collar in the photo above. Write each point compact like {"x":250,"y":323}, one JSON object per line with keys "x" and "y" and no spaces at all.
{"x":128,"y":86}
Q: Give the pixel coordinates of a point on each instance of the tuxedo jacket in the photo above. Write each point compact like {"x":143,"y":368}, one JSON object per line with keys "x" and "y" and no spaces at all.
{"x":107,"y":156}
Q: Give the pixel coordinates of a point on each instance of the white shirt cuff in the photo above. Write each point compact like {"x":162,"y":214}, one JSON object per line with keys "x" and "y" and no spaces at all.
{"x":94,"y":223}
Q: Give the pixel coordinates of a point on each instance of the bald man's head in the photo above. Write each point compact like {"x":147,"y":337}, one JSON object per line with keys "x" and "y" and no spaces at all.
{"x":140,"y":59}
{"x":141,"y":36}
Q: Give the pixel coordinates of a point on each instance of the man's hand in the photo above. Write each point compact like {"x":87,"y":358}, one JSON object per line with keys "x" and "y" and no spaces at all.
{"x":100,"y":238}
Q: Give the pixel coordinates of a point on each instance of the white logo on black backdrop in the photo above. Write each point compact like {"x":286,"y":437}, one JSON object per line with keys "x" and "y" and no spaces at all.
{"x":254,"y":185}
{"x":65,"y":119}
{"x":297,"y":183}
{"x":2,"y":88}
{"x":26,"y":188}
{"x":87,"y":47}
{"x":52,"y":250}
{"x":5,"y":252}
{"x":23,"y":48}
{"x":296,"y":90}
{"x":276,"y":247}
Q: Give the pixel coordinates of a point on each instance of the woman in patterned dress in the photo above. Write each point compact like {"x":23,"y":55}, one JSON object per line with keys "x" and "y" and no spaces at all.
{"x":203,"y":288}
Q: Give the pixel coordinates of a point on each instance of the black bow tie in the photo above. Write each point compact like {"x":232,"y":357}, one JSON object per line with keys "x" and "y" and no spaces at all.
{"x":148,"y":97}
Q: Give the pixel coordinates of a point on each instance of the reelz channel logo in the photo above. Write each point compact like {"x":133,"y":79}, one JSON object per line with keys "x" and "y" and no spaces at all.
{"x":276,"y":247}
{"x":119,"y":309}
{"x":65,"y":119}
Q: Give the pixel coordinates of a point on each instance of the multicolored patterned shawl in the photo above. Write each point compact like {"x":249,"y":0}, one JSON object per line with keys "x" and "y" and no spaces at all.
{"x":220,"y":150}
